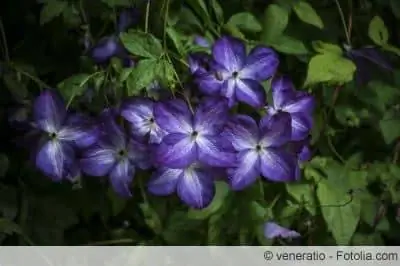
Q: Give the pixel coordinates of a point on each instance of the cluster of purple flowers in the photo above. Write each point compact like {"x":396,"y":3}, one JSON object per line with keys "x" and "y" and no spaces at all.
{"x":186,"y":146}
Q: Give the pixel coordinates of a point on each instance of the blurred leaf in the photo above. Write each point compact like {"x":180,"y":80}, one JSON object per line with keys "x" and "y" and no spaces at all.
{"x":218,"y":12}
{"x":142,"y":44}
{"x":151,"y":217}
{"x":390,"y":127}
{"x":178,"y":227}
{"x":74,"y":86}
{"x":307,"y":14}
{"x":51,"y":10}
{"x":377,"y":31}
{"x":289,"y":45}
{"x":275,"y":21}
{"x":329,"y":68}
{"x":391,"y":48}
{"x":367,"y":240}
{"x":303,"y":194}
{"x":323,"y":47}
{"x":141,"y":76}
{"x":340,"y":215}
{"x":245,"y":21}
{"x":395,"y":5}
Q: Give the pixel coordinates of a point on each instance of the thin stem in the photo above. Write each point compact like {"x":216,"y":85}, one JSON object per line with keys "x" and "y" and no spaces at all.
{"x":39,"y":82}
{"x":111,"y":242}
{"x":341,"y":14}
{"x":146,"y":23}
{"x":350,"y":26}
{"x":4,"y":40}
{"x":165,"y":22}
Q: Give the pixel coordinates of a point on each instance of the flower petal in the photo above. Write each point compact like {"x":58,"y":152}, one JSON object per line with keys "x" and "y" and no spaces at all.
{"x":201,"y":41}
{"x":80,"y":130}
{"x":212,"y":154}
{"x":138,"y":154}
{"x":49,"y":111}
{"x":305,"y":154}
{"x":246,"y":172}
{"x":273,"y":230}
{"x":277,"y":129}
{"x":304,"y":103}
{"x":301,"y":126}
{"x":210,"y":115}
{"x":250,"y":92}
{"x":282,"y":91}
{"x":121,"y":176}
{"x":105,"y":49}
{"x":228,"y":88}
{"x":229,"y":52}
{"x":111,"y":131}
{"x":261,"y":64}
{"x":176,"y":151}
{"x":208,"y":83}
{"x":199,"y":62}
{"x":196,"y":187}
{"x":242,"y":132}
{"x":173,"y":116}
{"x":98,"y":160}
{"x":278,"y":165}
{"x":54,"y":158}
{"x":164,"y":181}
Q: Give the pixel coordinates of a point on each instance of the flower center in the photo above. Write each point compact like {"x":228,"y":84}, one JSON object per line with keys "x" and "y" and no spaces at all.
{"x":122,"y":153}
{"x":151,"y":120}
{"x":195,"y":134}
{"x":235,"y":74}
{"x":53,"y":135}
{"x":258,"y":148}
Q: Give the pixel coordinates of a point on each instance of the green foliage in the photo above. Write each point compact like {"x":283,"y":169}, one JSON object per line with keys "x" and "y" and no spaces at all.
{"x":307,"y":13}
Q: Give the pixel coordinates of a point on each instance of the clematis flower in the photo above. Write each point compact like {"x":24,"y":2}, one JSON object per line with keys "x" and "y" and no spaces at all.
{"x":301,"y":149}
{"x":116,"y":155}
{"x":298,"y":104}
{"x":237,"y":76}
{"x":201,"y":41}
{"x":109,"y":47}
{"x":260,"y":150}
{"x":127,"y":18}
{"x":192,"y":137}
{"x":139,"y":113}
{"x":63,"y":134}
{"x":193,"y":184}
{"x":273,"y":230}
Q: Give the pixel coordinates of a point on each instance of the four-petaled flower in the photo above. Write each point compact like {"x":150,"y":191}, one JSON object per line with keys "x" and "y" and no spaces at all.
{"x":192,"y":137}
{"x":63,"y":134}
{"x":273,"y":230}
{"x":261,"y":149}
{"x":298,"y":104}
{"x":115,"y":154}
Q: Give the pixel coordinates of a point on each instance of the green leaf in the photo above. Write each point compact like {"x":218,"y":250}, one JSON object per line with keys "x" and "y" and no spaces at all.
{"x":289,"y":45}
{"x":390,"y":127}
{"x":307,"y":14}
{"x":367,"y":240}
{"x":116,"y":3}
{"x":142,"y":44}
{"x":74,"y":86}
{"x":117,"y":203}
{"x":151,"y":217}
{"x":221,"y":193}
{"x":391,"y":48}
{"x":218,"y":12}
{"x":52,"y":10}
{"x":141,"y":76}
{"x":329,"y":68}
{"x":176,"y":38}
{"x":245,"y":21}
{"x":165,"y":73}
{"x":395,"y":5}
{"x":303,"y":194}
{"x":377,"y":31}
{"x":340,"y":216}
{"x":275,"y":21}
{"x":323,"y":47}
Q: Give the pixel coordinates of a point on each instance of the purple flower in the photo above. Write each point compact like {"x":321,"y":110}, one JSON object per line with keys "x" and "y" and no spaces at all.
{"x":233,"y":74}
{"x":260,"y":149}
{"x":116,"y":155}
{"x":107,"y":48}
{"x":192,"y":137}
{"x":127,"y":18}
{"x":301,"y":149}
{"x":193,"y":184}
{"x":201,"y":41}
{"x":63,"y":134}
{"x":139,"y":113}
{"x":298,"y":104}
{"x":273,"y":230}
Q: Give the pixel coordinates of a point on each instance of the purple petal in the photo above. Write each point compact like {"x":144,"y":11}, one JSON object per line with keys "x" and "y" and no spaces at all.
{"x":79,"y":130}
{"x":111,"y":131}
{"x":138,"y":154}
{"x":261,"y":64}
{"x":250,"y":92}
{"x":98,"y":160}
{"x":305,"y":154}
{"x":303,"y":103}
{"x":121,"y":176}
{"x":164,"y":181}
{"x":228,"y":89}
{"x":210,"y":115}
{"x":173,"y":116}
{"x":127,"y":18}
{"x":212,"y":154}
{"x":373,"y":55}
{"x":201,"y":41}
{"x":176,"y":151}
{"x":105,"y":49}
{"x":49,"y":111}
{"x":199,"y":62}
{"x":230,"y":53}
{"x":242,"y":132}
{"x":282,"y":91}
{"x":273,"y":230}
{"x":278,"y":165}
{"x":247,"y":170}
{"x":196,"y":187}
{"x":54,"y":158}
{"x":301,"y":126}
{"x":277,"y":129}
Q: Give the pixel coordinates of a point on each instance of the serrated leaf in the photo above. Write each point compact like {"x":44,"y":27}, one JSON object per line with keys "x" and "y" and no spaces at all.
{"x":276,"y":19}
{"x":141,"y":76}
{"x":165,"y":73}
{"x":377,"y":31}
{"x":245,"y":21}
{"x":52,"y":10}
{"x":307,"y":14}
{"x":342,"y":219}
{"x":74,"y":86}
{"x":142,"y":44}
{"x":330,"y":68}
{"x":289,"y":45}
{"x":324,"y":47}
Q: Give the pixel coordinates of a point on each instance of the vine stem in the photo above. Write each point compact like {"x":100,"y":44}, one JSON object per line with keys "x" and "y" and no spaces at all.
{"x":341,"y":14}
{"x":4,"y":40}
{"x":146,"y":23}
{"x":111,"y":242}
